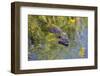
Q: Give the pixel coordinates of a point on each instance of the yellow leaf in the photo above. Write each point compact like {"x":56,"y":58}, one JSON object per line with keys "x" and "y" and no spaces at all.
{"x":71,"y":21}
{"x":82,"y":52}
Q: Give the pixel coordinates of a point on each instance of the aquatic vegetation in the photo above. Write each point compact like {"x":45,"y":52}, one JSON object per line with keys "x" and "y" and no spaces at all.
{"x":57,"y":37}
